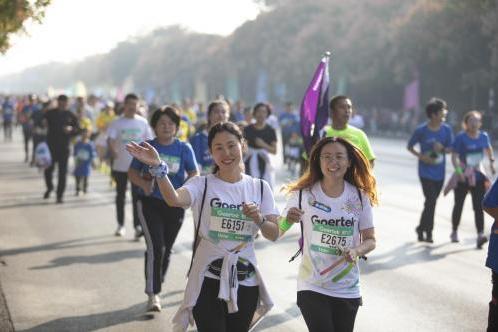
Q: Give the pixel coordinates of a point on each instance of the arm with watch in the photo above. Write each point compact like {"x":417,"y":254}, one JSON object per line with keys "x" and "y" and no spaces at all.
{"x":267,"y":224}
{"x":147,"y":154}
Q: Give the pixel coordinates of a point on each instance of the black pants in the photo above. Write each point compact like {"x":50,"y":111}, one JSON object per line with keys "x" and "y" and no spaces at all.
{"x":121,"y":179}
{"x":7,"y":130}
{"x":431,"y":189}
{"x":493,"y":305}
{"x":26,"y":133}
{"x":324,"y":313}
{"x":161,"y":224}
{"x":477,"y":193}
{"x":211,"y":314}
{"x":81,"y":183}
{"x":61,"y":160}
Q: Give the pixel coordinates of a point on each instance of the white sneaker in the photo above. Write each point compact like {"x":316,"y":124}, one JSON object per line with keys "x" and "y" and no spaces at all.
{"x":120,"y":231}
{"x":138,"y":233}
{"x":481,"y":239}
{"x":154,"y":303}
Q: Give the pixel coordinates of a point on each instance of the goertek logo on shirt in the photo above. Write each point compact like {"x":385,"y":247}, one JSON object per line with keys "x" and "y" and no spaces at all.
{"x":218,"y":203}
{"x":333,"y":222}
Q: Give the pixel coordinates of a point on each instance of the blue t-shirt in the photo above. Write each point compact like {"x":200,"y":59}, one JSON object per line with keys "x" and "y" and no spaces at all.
{"x":180,"y":159}
{"x":83,"y":156}
{"x":426,"y":138}
{"x":471,"y":150}
{"x":491,"y":201}
{"x":289,"y":122}
{"x":27,"y":113}
{"x":8,"y":111}
{"x":203,"y":157}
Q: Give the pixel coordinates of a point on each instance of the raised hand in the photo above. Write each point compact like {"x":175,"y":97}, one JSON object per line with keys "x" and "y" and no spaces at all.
{"x":146,"y":153}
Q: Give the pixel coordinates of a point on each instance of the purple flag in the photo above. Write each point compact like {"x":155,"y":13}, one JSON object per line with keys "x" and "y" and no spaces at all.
{"x":314,"y":107}
{"x":411,"y":98}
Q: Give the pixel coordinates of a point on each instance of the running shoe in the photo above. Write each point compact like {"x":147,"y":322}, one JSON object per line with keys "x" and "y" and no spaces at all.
{"x":120,"y":231}
{"x":454,"y":237}
{"x":420,"y":234}
{"x":138,"y":233}
{"x":481,"y":239}
{"x":428,"y":238}
{"x":154,"y":303}
{"x":47,"y":194}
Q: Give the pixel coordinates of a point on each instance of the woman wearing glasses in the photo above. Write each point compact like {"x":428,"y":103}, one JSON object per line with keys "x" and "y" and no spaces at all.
{"x":332,"y":202}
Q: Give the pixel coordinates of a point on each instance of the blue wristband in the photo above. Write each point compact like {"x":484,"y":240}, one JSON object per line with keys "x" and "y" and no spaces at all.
{"x":160,"y":171}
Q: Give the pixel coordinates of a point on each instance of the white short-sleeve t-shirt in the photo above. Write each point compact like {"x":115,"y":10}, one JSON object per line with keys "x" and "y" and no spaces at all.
{"x":222,"y":221}
{"x":330,"y":224}
{"x":124,"y":130}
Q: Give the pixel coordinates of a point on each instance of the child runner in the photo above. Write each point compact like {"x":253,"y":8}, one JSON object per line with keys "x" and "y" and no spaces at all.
{"x":84,"y":156}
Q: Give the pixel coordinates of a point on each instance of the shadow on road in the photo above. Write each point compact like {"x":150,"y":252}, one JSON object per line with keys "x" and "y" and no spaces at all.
{"x":68,"y":244}
{"x":406,"y":254}
{"x":273,"y":320}
{"x":95,"y":321}
{"x":25,"y":204}
{"x":108,"y":257}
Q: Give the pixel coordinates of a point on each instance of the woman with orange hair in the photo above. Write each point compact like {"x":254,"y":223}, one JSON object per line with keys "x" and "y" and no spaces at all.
{"x":332,"y":201}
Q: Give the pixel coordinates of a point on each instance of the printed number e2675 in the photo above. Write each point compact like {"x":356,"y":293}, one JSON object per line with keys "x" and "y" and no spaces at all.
{"x":333,"y":240}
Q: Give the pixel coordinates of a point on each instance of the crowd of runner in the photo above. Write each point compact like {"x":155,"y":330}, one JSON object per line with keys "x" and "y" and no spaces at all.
{"x":218,"y":162}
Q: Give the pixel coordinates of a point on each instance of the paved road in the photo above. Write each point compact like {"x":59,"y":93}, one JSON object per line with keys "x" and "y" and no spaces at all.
{"x":63,"y":270}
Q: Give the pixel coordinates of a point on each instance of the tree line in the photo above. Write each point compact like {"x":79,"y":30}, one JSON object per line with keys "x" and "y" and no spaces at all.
{"x":378,"y":47}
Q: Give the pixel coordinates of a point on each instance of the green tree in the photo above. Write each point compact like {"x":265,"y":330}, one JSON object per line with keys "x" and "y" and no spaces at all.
{"x":13,"y":15}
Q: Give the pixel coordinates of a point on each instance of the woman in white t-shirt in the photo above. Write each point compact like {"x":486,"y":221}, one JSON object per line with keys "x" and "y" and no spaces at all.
{"x":333,"y":202}
{"x":229,"y":208}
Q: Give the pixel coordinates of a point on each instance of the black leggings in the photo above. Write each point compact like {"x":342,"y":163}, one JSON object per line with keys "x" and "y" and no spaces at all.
{"x":121,"y":179}
{"x":211,"y":314}
{"x":26,"y":133}
{"x":493,"y":305}
{"x":160,"y":225}
{"x":7,"y":130}
{"x":431,"y":189}
{"x":81,"y":183}
{"x":477,"y":193}
{"x":324,"y":313}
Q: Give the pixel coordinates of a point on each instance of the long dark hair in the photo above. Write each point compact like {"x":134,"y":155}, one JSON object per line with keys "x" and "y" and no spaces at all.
{"x":229,"y":127}
{"x":359,"y":174}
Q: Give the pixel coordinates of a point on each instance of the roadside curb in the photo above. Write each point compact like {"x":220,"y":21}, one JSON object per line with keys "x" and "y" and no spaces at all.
{"x":5,"y":320}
